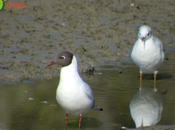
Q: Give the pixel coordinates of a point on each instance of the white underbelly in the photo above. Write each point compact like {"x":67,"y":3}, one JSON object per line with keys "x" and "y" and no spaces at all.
{"x":148,"y":60}
{"x":73,"y":101}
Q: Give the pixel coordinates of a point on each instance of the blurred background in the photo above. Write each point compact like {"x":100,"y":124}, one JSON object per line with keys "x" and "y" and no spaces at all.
{"x":100,"y":32}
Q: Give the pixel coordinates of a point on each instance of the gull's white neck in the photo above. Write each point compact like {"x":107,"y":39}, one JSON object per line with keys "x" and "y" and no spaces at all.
{"x":71,"y":72}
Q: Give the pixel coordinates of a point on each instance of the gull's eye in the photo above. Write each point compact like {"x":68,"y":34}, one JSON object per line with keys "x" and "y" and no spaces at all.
{"x":62,"y":57}
{"x":149,"y":34}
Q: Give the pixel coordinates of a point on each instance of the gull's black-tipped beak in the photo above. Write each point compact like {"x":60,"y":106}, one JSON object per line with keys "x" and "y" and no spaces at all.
{"x":143,"y":39}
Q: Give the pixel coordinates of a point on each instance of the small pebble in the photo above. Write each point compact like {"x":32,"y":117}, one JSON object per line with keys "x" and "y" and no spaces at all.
{"x":30,"y":98}
{"x":132,"y":4}
{"x":44,"y":102}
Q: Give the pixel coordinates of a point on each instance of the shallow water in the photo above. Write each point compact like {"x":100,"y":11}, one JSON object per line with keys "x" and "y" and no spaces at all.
{"x":31,"y":105}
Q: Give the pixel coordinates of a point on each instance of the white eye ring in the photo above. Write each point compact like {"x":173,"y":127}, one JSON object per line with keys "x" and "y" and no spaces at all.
{"x":63,"y":57}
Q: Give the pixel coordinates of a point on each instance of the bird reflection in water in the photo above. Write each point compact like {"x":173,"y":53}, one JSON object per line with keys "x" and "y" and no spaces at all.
{"x":146,"y":108}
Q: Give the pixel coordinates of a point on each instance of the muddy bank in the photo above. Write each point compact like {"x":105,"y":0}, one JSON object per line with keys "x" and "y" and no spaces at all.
{"x":99,"y":32}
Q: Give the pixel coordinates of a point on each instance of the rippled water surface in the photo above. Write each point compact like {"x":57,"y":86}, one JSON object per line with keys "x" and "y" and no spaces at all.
{"x":31,"y":105}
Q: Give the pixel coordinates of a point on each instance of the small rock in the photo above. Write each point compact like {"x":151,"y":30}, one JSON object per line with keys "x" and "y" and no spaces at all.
{"x":44,"y":102}
{"x":31,"y":99}
{"x":132,"y":4}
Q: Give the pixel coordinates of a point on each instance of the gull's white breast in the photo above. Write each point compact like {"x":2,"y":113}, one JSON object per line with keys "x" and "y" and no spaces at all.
{"x":148,"y":57}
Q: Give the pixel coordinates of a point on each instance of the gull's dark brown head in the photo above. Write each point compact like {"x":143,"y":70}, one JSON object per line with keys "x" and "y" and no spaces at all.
{"x":63,"y":59}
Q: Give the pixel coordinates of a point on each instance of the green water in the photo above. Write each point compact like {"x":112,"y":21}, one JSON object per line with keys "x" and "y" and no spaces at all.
{"x":31,"y":105}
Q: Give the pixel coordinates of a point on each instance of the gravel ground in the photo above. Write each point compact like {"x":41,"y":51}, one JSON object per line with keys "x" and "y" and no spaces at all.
{"x":99,"y":32}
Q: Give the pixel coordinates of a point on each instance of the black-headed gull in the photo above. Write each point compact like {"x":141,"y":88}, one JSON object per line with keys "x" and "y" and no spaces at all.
{"x":73,"y":94}
{"x":147,"y":53}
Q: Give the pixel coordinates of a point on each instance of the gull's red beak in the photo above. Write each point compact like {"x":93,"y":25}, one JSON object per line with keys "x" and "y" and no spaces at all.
{"x":51,"y":63}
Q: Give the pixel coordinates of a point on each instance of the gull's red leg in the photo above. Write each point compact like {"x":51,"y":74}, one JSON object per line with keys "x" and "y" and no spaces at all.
{"x":67,"y":121}
{"x":155,"y":78}
{"x":141,"y":78}
{"x":79,"y":121}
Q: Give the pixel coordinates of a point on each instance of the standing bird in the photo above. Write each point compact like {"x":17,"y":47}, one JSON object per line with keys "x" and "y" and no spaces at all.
{"x":73,"y":94}
{"x":147,"y":53}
